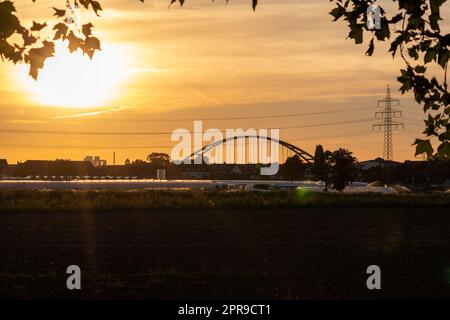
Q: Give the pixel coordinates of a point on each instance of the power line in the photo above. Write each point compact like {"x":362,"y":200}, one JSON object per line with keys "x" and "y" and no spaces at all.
{"x":329,"y":124}
{"x":117,"y":133}
{"x":14,"y":117}
{"x":168,"y":146}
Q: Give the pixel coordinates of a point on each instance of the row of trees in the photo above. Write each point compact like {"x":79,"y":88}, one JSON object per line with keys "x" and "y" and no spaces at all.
{"x":338,"y":168}
{"x":159,"y":159}
{"x":335,"y":168}
{"x":414,"y":174}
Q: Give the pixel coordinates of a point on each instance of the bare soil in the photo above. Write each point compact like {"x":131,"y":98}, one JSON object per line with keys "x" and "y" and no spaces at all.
{"x":304,"y":253}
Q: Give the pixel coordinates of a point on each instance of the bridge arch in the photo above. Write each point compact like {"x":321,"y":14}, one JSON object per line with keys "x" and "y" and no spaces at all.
{"x":305,"y":156}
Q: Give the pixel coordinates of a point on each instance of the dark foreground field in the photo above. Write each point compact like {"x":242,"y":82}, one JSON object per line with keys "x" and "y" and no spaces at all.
{"x":297,"y":253}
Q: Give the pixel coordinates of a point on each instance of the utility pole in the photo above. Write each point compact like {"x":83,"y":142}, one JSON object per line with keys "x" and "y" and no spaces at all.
{"x":388,"y":125}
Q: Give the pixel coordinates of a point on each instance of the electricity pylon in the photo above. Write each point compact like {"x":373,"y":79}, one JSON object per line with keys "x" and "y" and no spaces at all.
{"x":388,"y":125}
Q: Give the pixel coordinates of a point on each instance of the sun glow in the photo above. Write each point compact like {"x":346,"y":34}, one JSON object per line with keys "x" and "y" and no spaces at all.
{"x":73,"y":80}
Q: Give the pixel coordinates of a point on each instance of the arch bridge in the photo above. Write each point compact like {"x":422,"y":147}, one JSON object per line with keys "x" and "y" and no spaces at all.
{"x":286,"y":146}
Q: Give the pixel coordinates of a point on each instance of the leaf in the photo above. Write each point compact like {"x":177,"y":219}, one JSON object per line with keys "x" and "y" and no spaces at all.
{"x":445,"y":41}
{"x":254,"y":4}
{"x":444,"y":149}
{"x":338,"y":12}
{"x":9,"y":23}
{"x":36,"y":57}
{"x":356,"y":33}
{"x":28,"y":38}
{"x":430,"y":55}
{"x":9,"y":52}
{"x":90,"y":45}
{"x":59,"y":13}
{"x":444,"y":136}
{"x":96,"y":7}
{"x":423,"y":146}
{"x":94,"y":4}
{"x":371,"y":48}
{"x":74,"y":42}
{"x":395,"y":44}
{"x":7,"y":6}
{"x":61,"y":31}
{"x":38,"y":26}
{"x":406,"y":80}
{"x":383,"y":33}
{"x":397,"y":18}
{"x":435,"y":13}
{"x":87,"y":29}
{"x":420,"y":69}
{"x":413,"y":53}
{"x":443,"y":56}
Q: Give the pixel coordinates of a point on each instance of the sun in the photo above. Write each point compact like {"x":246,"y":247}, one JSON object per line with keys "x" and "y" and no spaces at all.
{"x":73,"y":80}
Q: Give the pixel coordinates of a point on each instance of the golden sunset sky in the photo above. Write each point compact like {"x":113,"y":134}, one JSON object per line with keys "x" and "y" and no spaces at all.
{"x":205,"y":60}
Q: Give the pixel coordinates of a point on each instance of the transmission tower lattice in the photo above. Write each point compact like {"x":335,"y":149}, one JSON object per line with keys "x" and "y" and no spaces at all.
{"x":388,"y":125}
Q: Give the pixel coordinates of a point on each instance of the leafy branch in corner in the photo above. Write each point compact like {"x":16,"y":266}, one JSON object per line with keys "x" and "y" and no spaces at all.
{"x":34,"y":49}
{"x":417,"y":38}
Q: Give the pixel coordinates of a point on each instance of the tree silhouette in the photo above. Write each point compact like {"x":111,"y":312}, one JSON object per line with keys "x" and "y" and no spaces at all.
{"x":158,"y":159}
{"x":341,"y":166}
{"x":327,"y":168}
{"x":293,"y":169}
{"x":318,"y":169}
